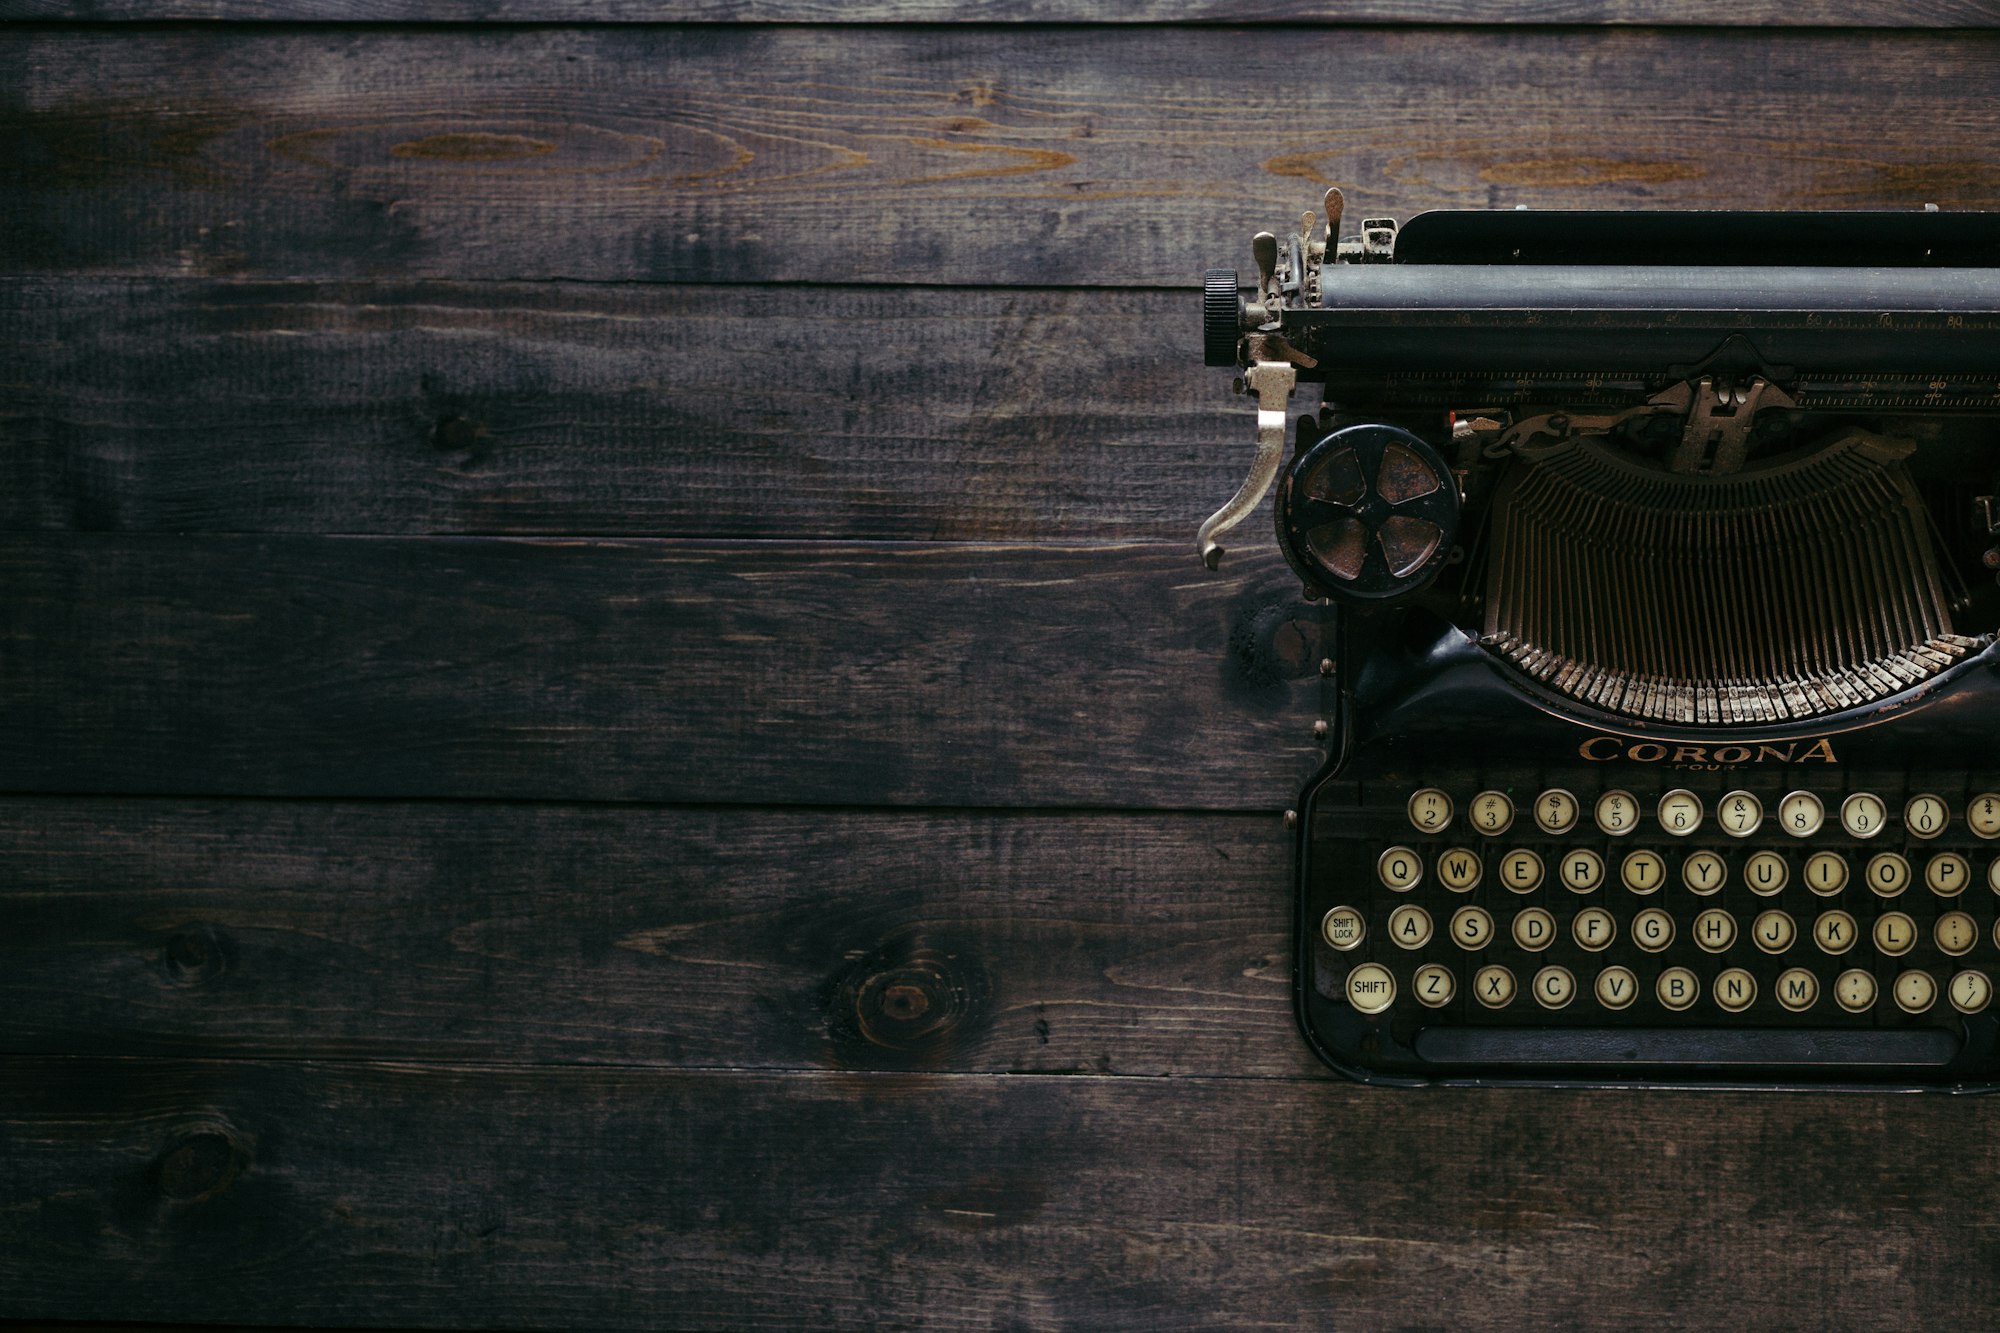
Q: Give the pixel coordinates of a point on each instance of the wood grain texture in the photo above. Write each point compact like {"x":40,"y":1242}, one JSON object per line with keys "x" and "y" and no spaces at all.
{"x":573,"y":1197}
{"x":968,"y":415}
{"x":1064,"y":943}
{"x":1098,"y":156}
{"x":1721,"y":13}
{"x":922,"y":674}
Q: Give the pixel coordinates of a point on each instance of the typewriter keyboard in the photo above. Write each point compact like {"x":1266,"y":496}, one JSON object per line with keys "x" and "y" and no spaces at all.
{"x":1746,"y":907}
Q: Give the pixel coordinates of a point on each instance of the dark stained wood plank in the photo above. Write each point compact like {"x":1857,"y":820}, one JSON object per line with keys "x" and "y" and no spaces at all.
{"x":1745,"y":13}
{"x":923,"y":673}
{"x":1140,"y":944}
{"x":1100,"y":156}
{"x":203,"y":406}
{"x":579,"y":1197}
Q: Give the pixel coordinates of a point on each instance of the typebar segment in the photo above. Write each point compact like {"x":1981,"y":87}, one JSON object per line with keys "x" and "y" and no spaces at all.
{"x":1668,"y":1046}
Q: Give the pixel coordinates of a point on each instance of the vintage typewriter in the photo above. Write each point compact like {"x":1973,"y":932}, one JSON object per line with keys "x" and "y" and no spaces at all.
{"x":1663,"y":716}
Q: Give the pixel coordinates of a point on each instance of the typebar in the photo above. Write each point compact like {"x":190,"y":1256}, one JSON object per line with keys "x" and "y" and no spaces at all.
{"x":1709,"y":1046}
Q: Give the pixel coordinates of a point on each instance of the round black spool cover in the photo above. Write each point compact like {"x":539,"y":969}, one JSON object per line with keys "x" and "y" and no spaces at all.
{"x":1221,"y":317}
{"x":1369,"y":513}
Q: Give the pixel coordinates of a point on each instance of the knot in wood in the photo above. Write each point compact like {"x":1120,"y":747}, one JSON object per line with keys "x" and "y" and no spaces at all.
{"x":194,"y":954}
{"x":199,"y":1165}
{"x":909,"y":1004}
{"x":456,"y":433}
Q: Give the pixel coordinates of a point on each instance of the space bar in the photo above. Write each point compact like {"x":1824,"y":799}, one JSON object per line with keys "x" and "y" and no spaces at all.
{"x":1697,"y":1046}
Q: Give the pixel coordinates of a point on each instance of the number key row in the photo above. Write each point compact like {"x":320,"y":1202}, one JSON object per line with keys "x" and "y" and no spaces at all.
{"x":1680,"y":812}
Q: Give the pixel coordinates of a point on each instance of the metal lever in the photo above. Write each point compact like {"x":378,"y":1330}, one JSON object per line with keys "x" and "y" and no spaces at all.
{"x":1264,"y":249}
{"x":1272,"y":382}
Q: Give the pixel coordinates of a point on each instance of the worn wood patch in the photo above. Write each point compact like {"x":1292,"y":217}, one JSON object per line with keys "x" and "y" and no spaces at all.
{"x":578,"y":1197}
{"x":1142,"y":944}
{"x":202,"y":406}
{"x":1098,"y":156}
{"x":921,"y":674}
{"x":1746,"y":13}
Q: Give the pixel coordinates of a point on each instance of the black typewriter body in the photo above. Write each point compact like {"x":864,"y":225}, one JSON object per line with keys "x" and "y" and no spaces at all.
{"x":1664,"y":719}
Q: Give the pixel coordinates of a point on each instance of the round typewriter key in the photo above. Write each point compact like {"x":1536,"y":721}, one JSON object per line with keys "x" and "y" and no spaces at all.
{"x":1554,"y":987}
{"x":1430,"y":810}
{"x":1491,"y":812}
{"x":1715,"y":930}
{"x":1947,"y":874}
{"x":1410,"y":926}
{"x":1459,"y":870}
{"x":1677,"y":988}
{"x":1826,"y":873}
{"x":1400,"y":868}
{"x":1925,"y":817}
{"x":1955,"y":933}
{"x":1773,"y":932}
{"x":1765,"y":873}
{"x":1371,"y":988}
{"x":1472,"y":927}
{"x":1521,"y":870}
{"x":1970,"y":992}
{"x":1863,"y":814}
{"x":1993,"y":875}
{"x":1433,"y":986}
{"x":1894,"y":934}
{"x":1801,"y":814}
{"x":1797,"y":989}
{"x":1643,"y":872}
{"x":1593,"y":929}
{"x":1735,"y":990}
{"x":1555,"y":811}
{"x":1983,"y":814}
{"x":1343,"y":928}
{"x":1617,"y":813}
{"x":1704,"y":873}
{"x":1855,"y":990}
{"x":1887,"y":874}
{"x":1915,"y":992}
{"x":1680,"y":812}
{"x":1739,"y":814}
{"x":1616,"y":987}
{"x":1582,"y":870}
{"x":1652,"y":930}
{"x":1835,"y":932}
{"x":1493,"y":986}
{"x":1534,"y":929}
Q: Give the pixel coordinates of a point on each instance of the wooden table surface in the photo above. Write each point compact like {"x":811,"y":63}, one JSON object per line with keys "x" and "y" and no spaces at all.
{"x":608,"y":718}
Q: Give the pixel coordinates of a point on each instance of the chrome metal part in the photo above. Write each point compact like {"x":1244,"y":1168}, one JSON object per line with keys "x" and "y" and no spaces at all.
{"x":1264,"y":250}
{"x":1716,"y":438}
{"x":1272,"y":382}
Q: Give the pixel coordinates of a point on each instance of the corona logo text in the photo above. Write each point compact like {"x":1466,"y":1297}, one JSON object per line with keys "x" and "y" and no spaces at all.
{"x":1603,"y":749}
